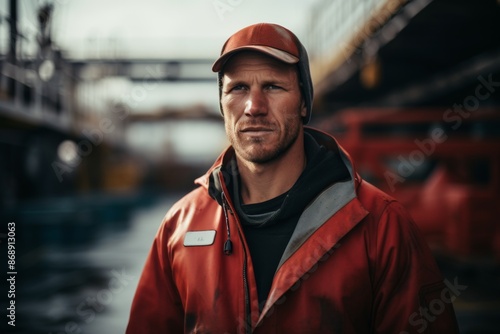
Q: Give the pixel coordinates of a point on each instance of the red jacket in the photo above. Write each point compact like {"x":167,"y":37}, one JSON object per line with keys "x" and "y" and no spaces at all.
{"x":356,"y":263}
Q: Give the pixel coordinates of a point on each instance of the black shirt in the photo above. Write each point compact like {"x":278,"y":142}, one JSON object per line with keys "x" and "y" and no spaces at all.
{"x":267,"y":243}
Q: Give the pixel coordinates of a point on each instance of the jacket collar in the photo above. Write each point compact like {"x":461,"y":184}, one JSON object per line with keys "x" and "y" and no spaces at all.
{"x":210,"y":181}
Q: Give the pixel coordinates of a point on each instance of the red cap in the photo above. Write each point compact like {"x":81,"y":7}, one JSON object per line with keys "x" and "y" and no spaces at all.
{"x":271,"y":39}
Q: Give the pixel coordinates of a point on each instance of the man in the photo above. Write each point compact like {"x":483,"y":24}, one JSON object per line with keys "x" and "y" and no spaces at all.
{"x":282,"y":235}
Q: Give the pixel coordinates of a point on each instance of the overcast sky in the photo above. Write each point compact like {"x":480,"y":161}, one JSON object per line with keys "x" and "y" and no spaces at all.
{"x":164,"y":28}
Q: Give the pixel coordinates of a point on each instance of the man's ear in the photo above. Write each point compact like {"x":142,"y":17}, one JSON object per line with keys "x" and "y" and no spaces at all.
{"x":220,"y":77}
{"x":303,"y":109}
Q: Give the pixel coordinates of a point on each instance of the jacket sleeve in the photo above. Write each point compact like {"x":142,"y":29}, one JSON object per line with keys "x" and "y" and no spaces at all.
{"x":410,"y":295}
{"x":156,"y":307}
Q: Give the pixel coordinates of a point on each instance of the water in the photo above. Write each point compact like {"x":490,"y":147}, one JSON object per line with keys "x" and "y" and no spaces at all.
{"x":85,"y":284}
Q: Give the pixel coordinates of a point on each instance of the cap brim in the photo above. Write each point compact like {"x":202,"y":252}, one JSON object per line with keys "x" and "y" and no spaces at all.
{"x":275,"y":53}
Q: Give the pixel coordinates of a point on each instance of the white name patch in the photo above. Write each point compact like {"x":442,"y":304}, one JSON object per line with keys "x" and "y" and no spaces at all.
{"x":199,"y":238}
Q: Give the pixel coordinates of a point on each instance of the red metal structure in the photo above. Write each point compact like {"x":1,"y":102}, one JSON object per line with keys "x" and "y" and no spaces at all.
{"x":443,"y":166}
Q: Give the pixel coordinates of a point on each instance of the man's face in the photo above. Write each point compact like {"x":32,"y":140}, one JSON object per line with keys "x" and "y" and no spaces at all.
{"x":262,"y":106}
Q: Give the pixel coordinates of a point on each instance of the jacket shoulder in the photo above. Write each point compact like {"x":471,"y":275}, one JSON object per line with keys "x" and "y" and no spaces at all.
{"x":374,"y":199}
{"x":386,"y":214}
{"x":194,"y":211}
{"x":196,"y":199}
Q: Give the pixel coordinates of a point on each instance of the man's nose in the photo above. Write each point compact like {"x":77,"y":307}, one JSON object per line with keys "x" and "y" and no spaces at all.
{"x":256,"y":104}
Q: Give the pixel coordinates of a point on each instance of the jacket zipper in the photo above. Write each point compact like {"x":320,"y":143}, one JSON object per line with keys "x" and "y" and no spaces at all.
{"x":248,"y":319}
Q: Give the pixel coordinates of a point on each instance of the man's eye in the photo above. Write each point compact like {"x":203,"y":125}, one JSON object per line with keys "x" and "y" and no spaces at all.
{"x":273,"y":87}
{"x":238,"y":87}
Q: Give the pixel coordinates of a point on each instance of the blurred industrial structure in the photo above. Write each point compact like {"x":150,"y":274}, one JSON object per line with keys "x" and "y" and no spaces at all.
{"x":80,"y":152}
{"x":63,"y":132}
{"x":410,"y":88}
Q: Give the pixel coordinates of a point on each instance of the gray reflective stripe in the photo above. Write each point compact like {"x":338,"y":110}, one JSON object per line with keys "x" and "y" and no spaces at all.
{"x":347,"y":163}
{"x":324,"y":206}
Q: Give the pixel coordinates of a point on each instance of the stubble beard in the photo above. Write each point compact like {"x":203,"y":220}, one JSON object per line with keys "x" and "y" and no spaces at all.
{"x":259,"y":154}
